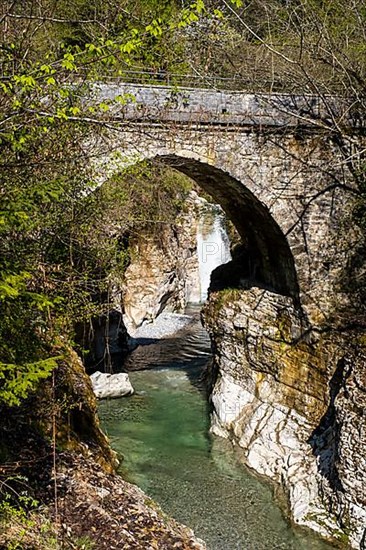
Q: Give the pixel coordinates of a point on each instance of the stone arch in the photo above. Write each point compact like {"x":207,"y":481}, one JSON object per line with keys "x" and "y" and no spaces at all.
{"x":265,"y":259}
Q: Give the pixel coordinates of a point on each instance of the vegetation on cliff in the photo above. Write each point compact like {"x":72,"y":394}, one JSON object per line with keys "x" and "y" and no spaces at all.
{"x":57,"y":250}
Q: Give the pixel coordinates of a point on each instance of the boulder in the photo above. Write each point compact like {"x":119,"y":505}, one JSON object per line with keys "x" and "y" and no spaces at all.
{"x":111,"y":385}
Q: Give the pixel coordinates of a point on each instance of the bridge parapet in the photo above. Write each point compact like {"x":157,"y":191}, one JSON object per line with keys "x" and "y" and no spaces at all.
{"x":154,"y":104}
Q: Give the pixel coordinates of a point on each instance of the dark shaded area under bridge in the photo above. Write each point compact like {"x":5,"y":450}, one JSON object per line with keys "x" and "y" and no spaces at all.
{"x":264,"y":259}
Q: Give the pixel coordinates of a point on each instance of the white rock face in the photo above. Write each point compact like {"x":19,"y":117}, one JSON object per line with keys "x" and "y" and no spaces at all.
{"x":273,"y":438}
{"x":111,"y":385}
{"x":162,"y":276}
{"x":295,"y":407}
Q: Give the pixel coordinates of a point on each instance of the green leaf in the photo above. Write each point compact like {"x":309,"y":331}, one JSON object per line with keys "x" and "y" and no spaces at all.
{"x":11,"y":285}
{"x":155,"y":28}
{"x":46,"y":68}
{"x":75,"y":110}
{"x":17,"y":381}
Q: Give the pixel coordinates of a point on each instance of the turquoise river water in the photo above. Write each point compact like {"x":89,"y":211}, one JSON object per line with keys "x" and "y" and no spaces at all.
{"x":162,"y":433}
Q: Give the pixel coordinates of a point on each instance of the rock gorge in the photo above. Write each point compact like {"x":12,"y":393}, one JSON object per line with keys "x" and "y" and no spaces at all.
{"x":287,"y":391}
{"x":286,"y":314}
{"x":291,"y":399}
{"x":169,"y":272}
{"x":262,"y":105}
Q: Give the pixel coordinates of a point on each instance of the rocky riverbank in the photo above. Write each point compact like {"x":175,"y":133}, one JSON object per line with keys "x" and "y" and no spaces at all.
{"x":292,"y":398}
{"x":98,"y":510}
{"x":59,"y":474}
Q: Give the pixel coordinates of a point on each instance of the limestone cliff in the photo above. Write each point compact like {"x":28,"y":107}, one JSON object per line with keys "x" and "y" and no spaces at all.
{"x":164,"y":273}
{"x":292,"y":398}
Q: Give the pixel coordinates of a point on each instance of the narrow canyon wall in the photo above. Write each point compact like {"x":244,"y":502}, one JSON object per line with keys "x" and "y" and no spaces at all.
{"x":175,"y":270}
{"x":292,"y":399}
{"x":162,"y":272}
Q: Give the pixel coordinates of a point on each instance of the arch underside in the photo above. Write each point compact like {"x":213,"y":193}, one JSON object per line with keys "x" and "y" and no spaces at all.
{"x":264,"y":259}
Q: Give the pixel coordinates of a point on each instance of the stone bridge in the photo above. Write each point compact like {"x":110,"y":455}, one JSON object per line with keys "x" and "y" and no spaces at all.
{"x":283,"y":341}
{"x":268,"y":160}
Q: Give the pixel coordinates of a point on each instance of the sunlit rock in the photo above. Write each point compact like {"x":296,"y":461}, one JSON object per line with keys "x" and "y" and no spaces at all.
{"x":292,"y":400}
{"x":176,"y":271}
{"x":111,"y":385}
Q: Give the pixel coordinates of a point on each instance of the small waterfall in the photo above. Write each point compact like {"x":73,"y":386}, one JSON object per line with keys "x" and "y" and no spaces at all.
{"x":213,"y":245}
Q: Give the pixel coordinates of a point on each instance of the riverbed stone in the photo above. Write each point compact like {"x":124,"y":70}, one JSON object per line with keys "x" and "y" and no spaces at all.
{"x":111,"y":385}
